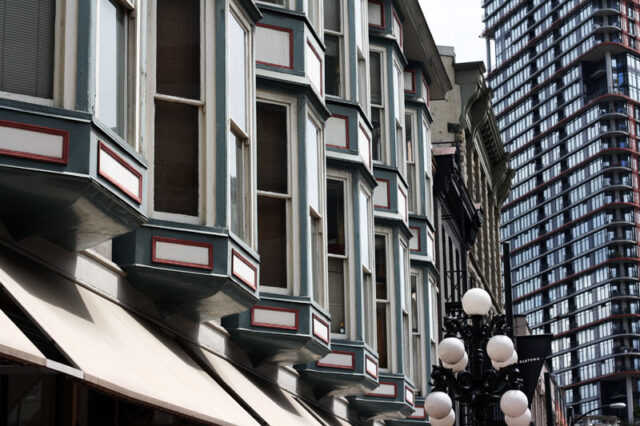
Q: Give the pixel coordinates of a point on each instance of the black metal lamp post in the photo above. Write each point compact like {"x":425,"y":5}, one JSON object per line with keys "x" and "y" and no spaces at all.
{"x":479,"y":367}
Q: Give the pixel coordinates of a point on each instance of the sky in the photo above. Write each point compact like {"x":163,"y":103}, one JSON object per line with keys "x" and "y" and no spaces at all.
{"x":457,"y":23}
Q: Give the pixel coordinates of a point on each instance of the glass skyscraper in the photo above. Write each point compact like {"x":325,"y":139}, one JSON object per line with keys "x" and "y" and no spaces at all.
{"x":566,"y":82}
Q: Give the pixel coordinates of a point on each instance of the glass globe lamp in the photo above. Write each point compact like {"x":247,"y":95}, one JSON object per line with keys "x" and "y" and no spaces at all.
{"x":476,"y":301}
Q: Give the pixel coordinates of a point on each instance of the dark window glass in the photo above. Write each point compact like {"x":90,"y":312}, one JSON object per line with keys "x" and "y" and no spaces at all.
{"x":272,"y":234}
{"x":332,"y":15}
{"x":272,"y":148}
{"x":381,"y":268}
{"x":27,"y":46}
{"x":375,"y":74}
{"x":332,"y":65}
{"x":178,"y":48}
{"x":176,"y":158}
{"x":335,"y":216}
{"x":336,"y":295}
{"x":381,"y":322}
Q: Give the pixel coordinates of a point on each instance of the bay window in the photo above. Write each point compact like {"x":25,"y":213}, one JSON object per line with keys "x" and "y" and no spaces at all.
{"x":369,"y":304}
{"x":412,"y":174}
{"x":417,"y":339}
{"x":273,"y":193}
{"x":27,"y":47}
{"x":238,"y":144}
{"x":433,"y":324}
{"x":382,"y":301}
{"x":112,"y":65}
{"x":333,"y":40}
{"x":404,"y":283}
{"x":337,"y":255}
{"x":398,"y":106}
{"x":315,"y":184}
{"x":377,"y":99}
{"x":178,"y":109}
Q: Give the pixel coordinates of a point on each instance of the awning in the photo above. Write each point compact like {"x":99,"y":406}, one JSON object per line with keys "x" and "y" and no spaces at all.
{"x":15,"y":345}
{"x":114,"y":349}
{"x":275,"y":406}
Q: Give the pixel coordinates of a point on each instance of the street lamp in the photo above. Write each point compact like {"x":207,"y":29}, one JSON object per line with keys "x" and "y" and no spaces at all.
{"x":470,"y":343}
{"x":615,"y":406}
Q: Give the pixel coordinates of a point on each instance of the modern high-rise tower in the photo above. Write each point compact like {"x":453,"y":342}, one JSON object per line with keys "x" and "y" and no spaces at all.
{"x":566,"y":82}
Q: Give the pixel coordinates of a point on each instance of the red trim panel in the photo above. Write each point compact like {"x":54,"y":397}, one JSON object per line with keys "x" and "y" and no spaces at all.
{"x":234,"y":254}
{"x":418,"y":236}
{"x":325,"y":338}
{"x":155,"y":259}
{"x":41,"y":129}
{"x":381,"y":4}
{"x":273,"y":308}
{"x":367,"y":357}
{"x":315,"y":52}
{"x":135,"y":197}
{"x":344,"y":367}
{"x":388,"y":182}
{"x":285,"y":30}
{"x":346,"y":125}
{"x":395,"y":391}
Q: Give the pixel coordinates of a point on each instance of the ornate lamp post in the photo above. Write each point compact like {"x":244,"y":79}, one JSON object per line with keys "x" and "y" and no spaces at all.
{"x":479,"y":367}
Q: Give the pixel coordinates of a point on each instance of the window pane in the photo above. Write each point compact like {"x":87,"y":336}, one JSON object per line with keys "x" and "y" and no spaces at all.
{"x":364,"y":229}
{"x":237,"y":74}
{"x":238,"y":182}
{"x":336,"y":295}
{"x":272,"y":148}
{"x":272,"y":241}
{"x":313,"y":164}
{"x":414,"y":304}
{"x":176,"y":158}
{"x":376,"y":139}
{"x":381,"y":268}
{"x":111,"y":66}
{"x":317,"y":271}
{"x":335,"y":217}
{"x":332,"y":15}
{"x":27,"y":46}
{"x":369,"y":322}
{"x":332,"y":65}
{"x":178,"y":48}
{"x":381,"y":323}
{"x":375,"y":74}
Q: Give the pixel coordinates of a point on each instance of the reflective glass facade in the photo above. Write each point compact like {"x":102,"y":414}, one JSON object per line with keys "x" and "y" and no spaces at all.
{"x":566,"y":82}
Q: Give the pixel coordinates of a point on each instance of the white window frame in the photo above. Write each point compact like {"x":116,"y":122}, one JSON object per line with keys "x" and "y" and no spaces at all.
{"x":398,"y":118}
{"x":343,"y":48}
{"x":433,"y":323}
{"x":384,"y":122}
{"x":344,"y":179}
{"x":414,"y":190}
{"x":390,"y":301}
{"x":206,"y":126}
{"x":369,"y":332}
{"x":319,"y":214}
{"x":293,"y":222}
{"x":405,"y":307}
{"x":247,"y":134}
{"x":131,"y":82}
{"x":419,"y":366}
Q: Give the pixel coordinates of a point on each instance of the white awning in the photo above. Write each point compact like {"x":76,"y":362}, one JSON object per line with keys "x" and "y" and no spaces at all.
{"x":275,"y":406}
{"x":15,"y":345}
{"x":115,"y":349}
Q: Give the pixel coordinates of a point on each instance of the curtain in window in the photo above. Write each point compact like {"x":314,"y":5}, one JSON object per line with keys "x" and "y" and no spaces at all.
{"x":176,"y":158}
{"x":27,"y":46}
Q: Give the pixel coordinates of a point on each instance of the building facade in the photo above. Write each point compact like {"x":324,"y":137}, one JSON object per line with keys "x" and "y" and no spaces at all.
{"x":466,"y":122}
{"x":564,"y":77}
{"x":217,"y":212}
